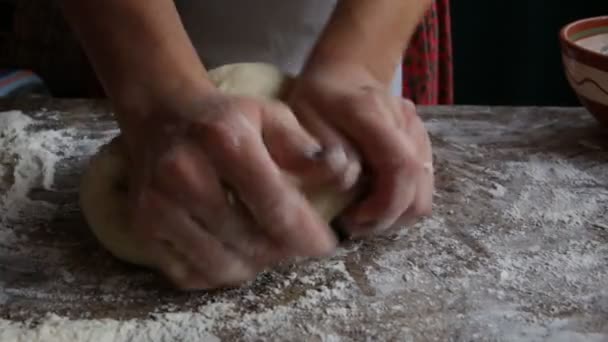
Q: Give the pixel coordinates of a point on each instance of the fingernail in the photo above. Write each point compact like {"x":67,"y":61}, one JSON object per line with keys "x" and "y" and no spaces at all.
{"x":316,"y":153}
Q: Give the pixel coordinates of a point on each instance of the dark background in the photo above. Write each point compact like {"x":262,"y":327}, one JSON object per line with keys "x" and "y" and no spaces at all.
{"x":507,"y":52}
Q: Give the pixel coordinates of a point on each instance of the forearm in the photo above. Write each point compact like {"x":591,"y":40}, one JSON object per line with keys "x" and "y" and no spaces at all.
{"x":372,"y":34}
{"x":133,"y":43}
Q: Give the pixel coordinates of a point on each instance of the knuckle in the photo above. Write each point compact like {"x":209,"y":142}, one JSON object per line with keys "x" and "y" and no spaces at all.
{"x":398,"y":169}
{"x":409,"y":109}
{"x":218,"y":129}
{"x":173,"y":164}
{"x":372,"y":97}
{"x":228,"y":135}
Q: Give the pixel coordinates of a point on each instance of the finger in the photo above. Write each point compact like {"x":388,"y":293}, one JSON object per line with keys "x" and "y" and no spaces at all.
{"x":289,"y":144}
{"x":422,"y":204}
{"x":393,"y":171}
{"x":201,"y":251}
{"x":389,"y":197}
{"x":338,"y":164}
{"x":279,"y":208}
{"x":174,"y":265}
{"x":186,"y":176}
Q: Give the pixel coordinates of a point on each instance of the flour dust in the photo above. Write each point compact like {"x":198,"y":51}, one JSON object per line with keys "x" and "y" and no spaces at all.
{"x":513,"y":252}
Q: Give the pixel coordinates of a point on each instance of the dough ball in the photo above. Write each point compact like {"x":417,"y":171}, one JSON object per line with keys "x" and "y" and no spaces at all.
{"x":250,"y":79}
{"x":103,"y":193}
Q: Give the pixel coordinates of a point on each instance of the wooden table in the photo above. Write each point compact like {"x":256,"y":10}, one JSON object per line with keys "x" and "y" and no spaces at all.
{"x":517,"y":248}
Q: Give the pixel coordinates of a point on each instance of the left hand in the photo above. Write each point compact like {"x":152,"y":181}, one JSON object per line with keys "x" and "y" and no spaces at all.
{"x":351,"y":112}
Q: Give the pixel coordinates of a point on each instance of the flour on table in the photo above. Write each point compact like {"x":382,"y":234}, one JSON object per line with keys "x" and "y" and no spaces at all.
{"x":554,"y":191}
{"x":512,"y":253}
{"x":27,"y":161}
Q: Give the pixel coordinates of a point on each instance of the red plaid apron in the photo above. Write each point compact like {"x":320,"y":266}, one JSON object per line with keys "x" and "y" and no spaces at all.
{"x":427,"y":66}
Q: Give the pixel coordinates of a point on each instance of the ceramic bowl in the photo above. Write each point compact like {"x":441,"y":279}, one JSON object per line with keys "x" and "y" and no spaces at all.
{"x":585,"y":56}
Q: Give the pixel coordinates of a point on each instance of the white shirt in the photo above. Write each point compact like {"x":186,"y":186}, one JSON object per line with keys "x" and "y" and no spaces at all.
{"x":279,"y":32}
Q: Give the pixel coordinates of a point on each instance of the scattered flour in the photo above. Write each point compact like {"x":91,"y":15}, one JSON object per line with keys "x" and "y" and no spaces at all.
{"x":198,"y":325}
{"x":28,"y":159}
{"x":25,"y":163}
{"x":522,"y":267}
{"x":497,"y":190}
{"x":173,"y":327}
{"x":553,"y":190}
{"x":28,"y":162}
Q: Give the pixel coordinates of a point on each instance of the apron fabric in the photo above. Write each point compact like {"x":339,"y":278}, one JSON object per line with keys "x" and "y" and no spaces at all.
{"x":278,"y":32}
{"x":427,"y":68}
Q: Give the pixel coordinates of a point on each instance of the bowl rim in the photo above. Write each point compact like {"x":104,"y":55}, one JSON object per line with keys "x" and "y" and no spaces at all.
{"x":572,"y":45}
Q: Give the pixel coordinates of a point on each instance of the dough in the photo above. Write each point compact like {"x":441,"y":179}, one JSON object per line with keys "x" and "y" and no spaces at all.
{"x":103,"y":193}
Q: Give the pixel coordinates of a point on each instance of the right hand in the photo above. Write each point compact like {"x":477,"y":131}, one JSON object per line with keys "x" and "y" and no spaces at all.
{"x":189,"y":149}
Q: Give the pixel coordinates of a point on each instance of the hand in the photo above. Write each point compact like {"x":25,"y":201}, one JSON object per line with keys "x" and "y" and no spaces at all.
{"x":206,"y":191}
{"x":348,"y":110}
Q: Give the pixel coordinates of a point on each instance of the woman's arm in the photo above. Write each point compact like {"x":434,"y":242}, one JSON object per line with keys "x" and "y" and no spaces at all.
{"x":133,"y":44}
{"x":372,"y":34}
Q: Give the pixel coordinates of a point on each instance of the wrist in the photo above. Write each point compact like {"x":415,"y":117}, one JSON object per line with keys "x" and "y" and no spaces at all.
{"x":346,"y":60}
{"x":347,"y":67}
{"x":140,"y":101}
{"x":140,"y":51}
{"x":341,"y":72}
{"x":372,"y":34}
